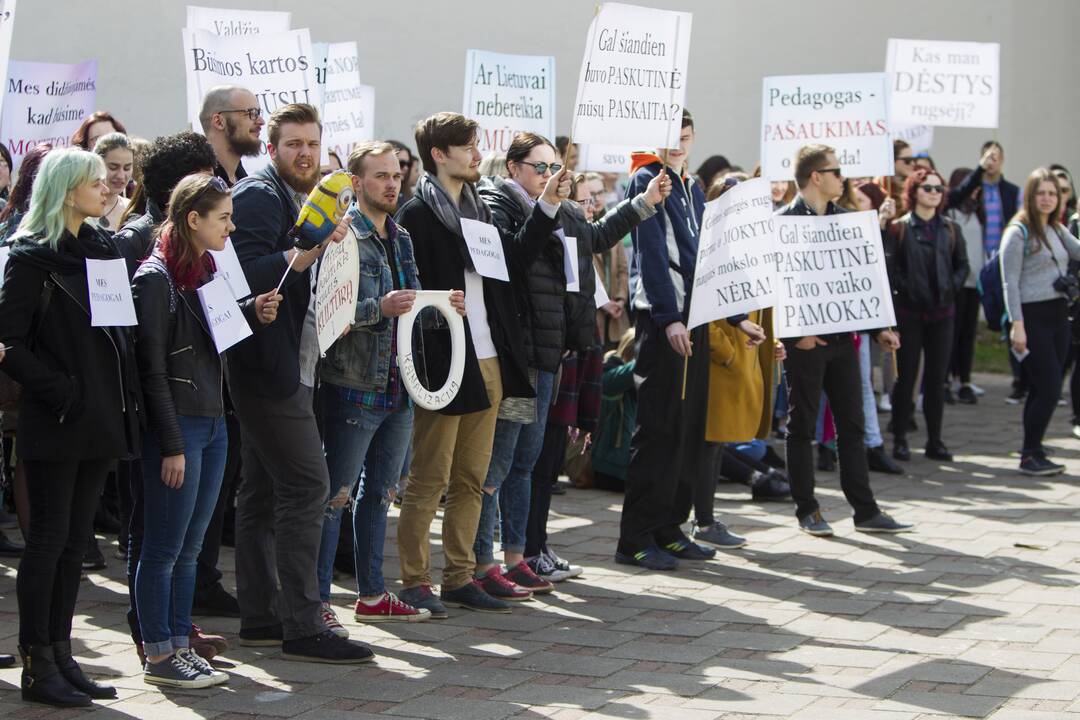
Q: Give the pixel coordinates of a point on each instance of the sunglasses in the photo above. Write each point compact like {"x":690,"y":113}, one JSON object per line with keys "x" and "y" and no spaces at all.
{"x":543,"y":167}
{"x":252,"y":113}
{"x":214,"y":182}
{"x":906,"y":160}
{"x":838,"y":172}
{"x":927,"y":187}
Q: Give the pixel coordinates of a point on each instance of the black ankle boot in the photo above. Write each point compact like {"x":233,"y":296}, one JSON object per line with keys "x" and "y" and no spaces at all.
{"x":42,"y":681}
{"x":74,"y":674}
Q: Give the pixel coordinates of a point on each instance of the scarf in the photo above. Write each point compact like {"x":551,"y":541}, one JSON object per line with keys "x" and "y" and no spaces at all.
{"x":434,"y":195}
{"x":528,"y":204}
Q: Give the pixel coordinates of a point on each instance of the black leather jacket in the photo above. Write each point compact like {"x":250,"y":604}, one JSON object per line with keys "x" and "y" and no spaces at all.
{"x":928,"y":266}
{"x":181,"y":370}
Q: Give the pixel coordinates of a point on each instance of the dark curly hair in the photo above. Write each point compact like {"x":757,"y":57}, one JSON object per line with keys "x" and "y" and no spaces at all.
{"x":172,"y":158}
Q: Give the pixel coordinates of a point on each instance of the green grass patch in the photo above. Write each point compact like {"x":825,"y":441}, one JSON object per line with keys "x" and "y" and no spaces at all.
{"x":991,"y":352}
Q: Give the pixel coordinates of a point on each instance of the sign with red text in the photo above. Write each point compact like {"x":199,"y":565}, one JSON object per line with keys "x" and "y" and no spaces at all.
{"x":830,"y":275}
{"x":335,"y":290}
{"x":508,"y":94}
{"x":846,"y":111}
{"x":947,"y":84}
{"x":278,"y":69}
{"x":632,"y":85}
{"x":735,"y":267}
{"x":46,"y":103}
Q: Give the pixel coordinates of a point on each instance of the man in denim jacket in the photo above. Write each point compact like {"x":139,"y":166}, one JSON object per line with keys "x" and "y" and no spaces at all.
{"x":368,"y":415}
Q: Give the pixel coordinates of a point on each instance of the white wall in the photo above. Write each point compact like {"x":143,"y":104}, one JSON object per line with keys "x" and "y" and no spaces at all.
{"x":413,"y":52}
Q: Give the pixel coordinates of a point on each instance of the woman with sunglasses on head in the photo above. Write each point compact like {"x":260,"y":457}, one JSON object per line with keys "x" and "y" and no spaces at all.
{"x":1035,"y":253}
{"x":79,"y":409}
{"x":556,"y":321}
{"x":927,"y":262}
{"x":183,"y":458}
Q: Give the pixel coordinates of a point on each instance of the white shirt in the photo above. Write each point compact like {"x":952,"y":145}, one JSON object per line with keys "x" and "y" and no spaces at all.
{"x":476,"y":312}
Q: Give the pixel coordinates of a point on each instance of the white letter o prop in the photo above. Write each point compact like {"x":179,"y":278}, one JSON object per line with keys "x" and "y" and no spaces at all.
{"x":431,"y":399}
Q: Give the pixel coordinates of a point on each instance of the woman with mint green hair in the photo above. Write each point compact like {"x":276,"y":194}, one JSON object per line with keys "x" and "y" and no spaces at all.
{"x":79,"y":409}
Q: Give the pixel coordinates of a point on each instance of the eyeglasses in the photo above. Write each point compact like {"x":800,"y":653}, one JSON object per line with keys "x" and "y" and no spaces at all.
{"x":252,"y":113}
{"x":906,"y":160}
{"x":838,"y":172}
{"x":543,"y":167}
{"x":927,"y":187}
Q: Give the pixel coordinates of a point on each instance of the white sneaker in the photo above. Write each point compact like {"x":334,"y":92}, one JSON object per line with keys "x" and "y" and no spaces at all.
{"x":885,"y":403}
{"x":199,"y":663}
{"x":546,"y":570}
{"x":563,"y":565}
{"x":1076,"y":431}
{"x":976,"y":389}
{"x":330,"y":620}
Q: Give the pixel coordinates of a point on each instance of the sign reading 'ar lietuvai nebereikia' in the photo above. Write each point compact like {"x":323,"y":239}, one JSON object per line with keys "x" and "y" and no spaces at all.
{"x":830,"y":275}
{"x":508,"y":94}
{"x":632,"y":85}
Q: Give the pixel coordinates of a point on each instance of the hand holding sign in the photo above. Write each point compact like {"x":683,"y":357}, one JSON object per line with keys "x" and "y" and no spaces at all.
{"x":558,"y":187}
{"x":397,"y":302}
{"x":658,"y":189}
{"x":266,"y":307}
{"x":679,"y":339}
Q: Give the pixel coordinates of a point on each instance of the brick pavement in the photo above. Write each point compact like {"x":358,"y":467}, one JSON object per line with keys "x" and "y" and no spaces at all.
{"x":976,"y":614}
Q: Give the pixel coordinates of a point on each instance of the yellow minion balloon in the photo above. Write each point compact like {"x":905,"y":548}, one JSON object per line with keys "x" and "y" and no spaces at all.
{"x":323,"y":210}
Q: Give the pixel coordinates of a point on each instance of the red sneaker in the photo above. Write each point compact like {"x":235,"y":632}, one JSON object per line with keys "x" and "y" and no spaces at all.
{"x":497,"y":586}
{"x":523,"y":576}
{"x":389,"y":609}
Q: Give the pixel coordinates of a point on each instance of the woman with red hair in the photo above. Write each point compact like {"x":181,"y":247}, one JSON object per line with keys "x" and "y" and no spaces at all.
{"x":927,"y":262}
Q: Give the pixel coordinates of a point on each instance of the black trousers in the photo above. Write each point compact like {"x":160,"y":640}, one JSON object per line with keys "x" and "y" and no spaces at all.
{"x":833,"y":368}
{"x":705,"y":483}
{"x":63,"y":499}
{"x":1047,"y":327}
{"x":134,"y":540}
{"x":667,"y":450}
{"x":545,"y":473}
{"x":933,"y":341}
{"x":965,"y":328}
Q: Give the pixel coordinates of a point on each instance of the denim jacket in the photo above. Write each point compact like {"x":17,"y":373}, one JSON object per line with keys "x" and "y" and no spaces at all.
{"x":361,"y":360}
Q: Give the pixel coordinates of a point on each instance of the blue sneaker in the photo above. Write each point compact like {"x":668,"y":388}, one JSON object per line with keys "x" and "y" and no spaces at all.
{"x":651,"y":557}
{"x":686,"y":549}
{"x":814,"y":524}
{"x":882,"y":523}
{"x":718,"y":536}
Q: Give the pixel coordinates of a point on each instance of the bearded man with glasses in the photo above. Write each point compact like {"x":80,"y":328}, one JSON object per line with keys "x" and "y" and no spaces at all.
{"x":232,"y":120}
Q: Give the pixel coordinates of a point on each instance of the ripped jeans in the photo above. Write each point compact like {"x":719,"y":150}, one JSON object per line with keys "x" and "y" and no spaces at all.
{"x":365,"y":450}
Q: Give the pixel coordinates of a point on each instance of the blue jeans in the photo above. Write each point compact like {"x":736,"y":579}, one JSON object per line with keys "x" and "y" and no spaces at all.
{"x":871,"y":426}
{"x":365,"y":450}
{"x":508,"y":485}
{"x":175,"y":521}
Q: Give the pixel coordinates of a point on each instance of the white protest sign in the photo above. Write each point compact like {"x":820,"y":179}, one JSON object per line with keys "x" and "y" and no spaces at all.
{"x":111,"y":303}
{"x":485,"y":248}
{"x":830,"y":275}
{"x":570,"y":264}
{"x":846,"y":111}
{"x":46,"y":102}
{"x":948,"y":84}
{"x":919,"y":137}
{"x":632,"y":86}
{"x":231,"y":23}
{"x":348,"y":112}
{"x":7,"y":24}
{"x":228,"y":325}
{"x":735,"y":268}
{"x":335,"y":290}
{"x":508,"y":94}
{"x":228,"y":267}
{"x":600,"y":297}
{"x":5,"y":250}
{"x":278,"y":69}
{"x":604,"y":158}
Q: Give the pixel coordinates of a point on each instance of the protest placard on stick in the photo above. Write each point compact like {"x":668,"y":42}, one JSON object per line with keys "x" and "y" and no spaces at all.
{"x":348,"y":110}
{"x":947,"y":84}
{"x":335,"y":291}
{"x":508,"y":94}
{"x":735,"y":265}
{"x":831,"y":275}
{"x":632,"y":85}
{"x":46,"y":103}
{"x":846,"y":111}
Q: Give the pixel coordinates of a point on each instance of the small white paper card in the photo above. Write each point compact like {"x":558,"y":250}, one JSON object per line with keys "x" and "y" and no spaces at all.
{"x":111,"y":304}
{"x":570,"y":264}
{"x":228,"y":267}
{"x":485,"y":247}
{"x":601,"y":297}
{"x":227,"y":323}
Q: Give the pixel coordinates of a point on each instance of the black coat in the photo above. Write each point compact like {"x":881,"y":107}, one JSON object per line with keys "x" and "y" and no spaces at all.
{"x":927,"y":262}
{"x":81,"y":398}
{"x":179,"y":365}
{"x":264,"y":213}
{"x":557,"y":320}
{"x":1010,"y":196}
{"x":441,"y":260}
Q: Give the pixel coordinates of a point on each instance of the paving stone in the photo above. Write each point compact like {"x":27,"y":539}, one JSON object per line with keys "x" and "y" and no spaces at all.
{"x":562,"y":664}
{"x":452,"y":708}
{"x":559,"y":695}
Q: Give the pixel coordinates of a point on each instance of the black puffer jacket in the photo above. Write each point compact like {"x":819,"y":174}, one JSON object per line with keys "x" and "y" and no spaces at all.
{"x":81,"y":397}
{"x":927,"y":262}
{"x":181,"y":370}
{"x":541,"y":292}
